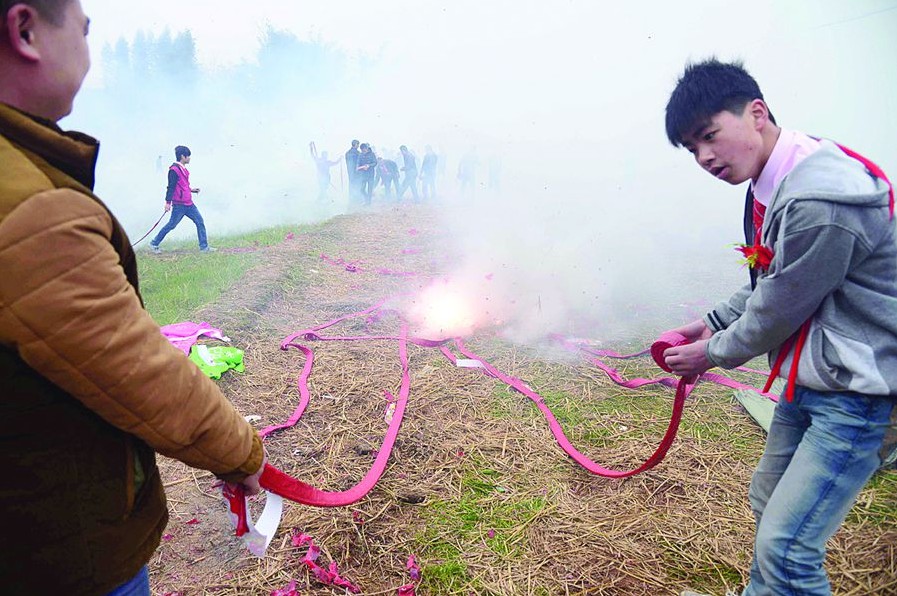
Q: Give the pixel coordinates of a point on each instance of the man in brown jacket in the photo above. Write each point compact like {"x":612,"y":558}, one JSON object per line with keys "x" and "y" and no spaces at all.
{"x":89,"y":388}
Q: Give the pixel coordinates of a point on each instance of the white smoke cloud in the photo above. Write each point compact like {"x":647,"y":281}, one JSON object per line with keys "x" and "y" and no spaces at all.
{"x":600,"y":225}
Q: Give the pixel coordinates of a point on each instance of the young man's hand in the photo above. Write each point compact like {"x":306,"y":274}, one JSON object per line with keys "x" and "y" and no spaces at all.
{"x":694,"y":331}
{"x":689,"y":360}
{"x":167,"y":207}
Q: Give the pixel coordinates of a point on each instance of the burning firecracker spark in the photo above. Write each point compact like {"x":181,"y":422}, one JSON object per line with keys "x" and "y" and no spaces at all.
{"x":444,"y":310}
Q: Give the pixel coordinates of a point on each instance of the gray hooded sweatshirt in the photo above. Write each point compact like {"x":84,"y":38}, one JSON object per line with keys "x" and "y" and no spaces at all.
{"x":835,"y":262}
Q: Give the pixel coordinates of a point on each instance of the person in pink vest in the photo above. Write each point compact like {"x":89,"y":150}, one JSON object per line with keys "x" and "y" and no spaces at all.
{"x":179,"y":200}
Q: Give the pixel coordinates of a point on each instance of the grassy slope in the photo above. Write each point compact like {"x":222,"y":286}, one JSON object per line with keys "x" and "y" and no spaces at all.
{"x":175,"y":286}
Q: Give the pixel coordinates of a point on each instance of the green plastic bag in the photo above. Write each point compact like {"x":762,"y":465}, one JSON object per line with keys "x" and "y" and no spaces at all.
{"x":215,"y":360}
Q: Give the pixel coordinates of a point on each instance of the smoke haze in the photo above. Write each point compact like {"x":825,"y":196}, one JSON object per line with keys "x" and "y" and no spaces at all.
{"x":583,"y":218}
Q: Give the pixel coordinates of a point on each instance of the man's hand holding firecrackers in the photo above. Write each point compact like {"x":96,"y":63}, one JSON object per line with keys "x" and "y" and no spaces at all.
{"x":694,"y":331}
{"x":251,"y":484}
{"x":167,"y":207}
{"x":689,"y":360}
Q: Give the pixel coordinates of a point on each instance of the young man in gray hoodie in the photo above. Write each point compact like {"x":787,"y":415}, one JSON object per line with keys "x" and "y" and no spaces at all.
{"x":822,"y":302}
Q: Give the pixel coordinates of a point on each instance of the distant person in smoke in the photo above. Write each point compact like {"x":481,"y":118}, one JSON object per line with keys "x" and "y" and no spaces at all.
{"x":179,"y":200}
{"x":322,"y":167}
{"x":90,"y":390}
{"x":821,"y":244}
{"x":387,"y":172}
{"x":428,"y":173}
{"x":367,"y":162}
{"x":441,"y":166}
{"x":467,"y":173}
{"x":352,"y":171}
{"x":410,"y":169}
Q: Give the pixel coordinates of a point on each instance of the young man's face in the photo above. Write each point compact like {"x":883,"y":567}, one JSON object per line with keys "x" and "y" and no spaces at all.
{"x":65,"y":56}
{"x":728,"y":146}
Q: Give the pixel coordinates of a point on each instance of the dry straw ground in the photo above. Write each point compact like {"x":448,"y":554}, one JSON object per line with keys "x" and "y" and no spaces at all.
{"x":476,"y":488}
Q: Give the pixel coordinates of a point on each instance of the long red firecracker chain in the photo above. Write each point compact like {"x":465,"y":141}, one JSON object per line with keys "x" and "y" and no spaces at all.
{"x":150,"y":230}
{"x":683,"y":388}
{"x":278,"y":482}
{"x":282,"y":484}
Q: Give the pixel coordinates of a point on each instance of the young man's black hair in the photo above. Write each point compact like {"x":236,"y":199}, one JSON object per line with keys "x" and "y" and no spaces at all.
{"x":707,"y":88}
{"x":181,"y":151}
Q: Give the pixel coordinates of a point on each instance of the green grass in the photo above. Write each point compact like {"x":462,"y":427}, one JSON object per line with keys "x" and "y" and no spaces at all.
{"x":173,"y":289}
{"x":175,"y":286}
{"x":485,"y":516}
{"x":878,"y":501}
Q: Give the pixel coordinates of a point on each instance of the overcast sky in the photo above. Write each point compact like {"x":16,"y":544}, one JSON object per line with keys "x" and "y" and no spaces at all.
{"x":569,"y":94}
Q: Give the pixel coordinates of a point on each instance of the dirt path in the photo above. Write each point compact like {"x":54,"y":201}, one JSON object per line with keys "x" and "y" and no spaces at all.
{"x":476,"y":488}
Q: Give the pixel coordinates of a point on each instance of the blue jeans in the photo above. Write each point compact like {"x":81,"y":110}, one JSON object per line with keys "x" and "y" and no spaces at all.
{"x":178,"y":212}
{"x":822,"y":449}
{"x":136,"y":586}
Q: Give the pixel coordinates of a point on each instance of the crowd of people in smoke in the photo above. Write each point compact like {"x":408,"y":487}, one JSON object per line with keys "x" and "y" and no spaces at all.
{"x":398,"y":173}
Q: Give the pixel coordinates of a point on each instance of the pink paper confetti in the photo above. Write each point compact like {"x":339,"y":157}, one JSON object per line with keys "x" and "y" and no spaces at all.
{"x":331,"y":576}
{"x":167,"y":537}
{"x":322,"y":575}
{"x":290,"y":236}
{"x":192,"y":522}
{"x":406,"y":590}
{"x":491,"y":533}
{"x":413,"y":232}
{"x":357,"y":518}
{"x":300,"y":539}
{"x":413,"y":568}
{"x":312,"y":555}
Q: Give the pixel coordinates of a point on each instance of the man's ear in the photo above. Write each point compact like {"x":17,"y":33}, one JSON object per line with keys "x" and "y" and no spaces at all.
{"x":20,"y":31}
{"x":759,"y":112}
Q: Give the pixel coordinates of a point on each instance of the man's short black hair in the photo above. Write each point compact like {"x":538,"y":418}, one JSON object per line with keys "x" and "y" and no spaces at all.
{"x":355,"y":142}
{"x":51,"y":10}
{"x":707,"y":88}
{"x":181,"y":151}
{"x":365,"y":146}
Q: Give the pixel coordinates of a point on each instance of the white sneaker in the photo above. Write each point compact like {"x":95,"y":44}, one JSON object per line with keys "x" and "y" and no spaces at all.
{"x":208,"y":249}
{"x":155,"y":248}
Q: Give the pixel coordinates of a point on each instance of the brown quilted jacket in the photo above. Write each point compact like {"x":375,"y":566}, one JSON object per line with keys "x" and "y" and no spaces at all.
{"x":89,"y":388}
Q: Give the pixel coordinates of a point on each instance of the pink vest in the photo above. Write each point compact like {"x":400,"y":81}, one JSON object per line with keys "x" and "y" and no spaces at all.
{"x":182,"y":194}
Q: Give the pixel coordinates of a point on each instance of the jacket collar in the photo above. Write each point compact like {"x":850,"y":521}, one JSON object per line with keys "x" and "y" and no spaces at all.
{"x":73,"y":153}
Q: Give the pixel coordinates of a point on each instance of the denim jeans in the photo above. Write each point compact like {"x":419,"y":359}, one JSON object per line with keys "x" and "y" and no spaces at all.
{"x":822,"y":449}
{"x":136,"y":586}
{"x":178,"y":212}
